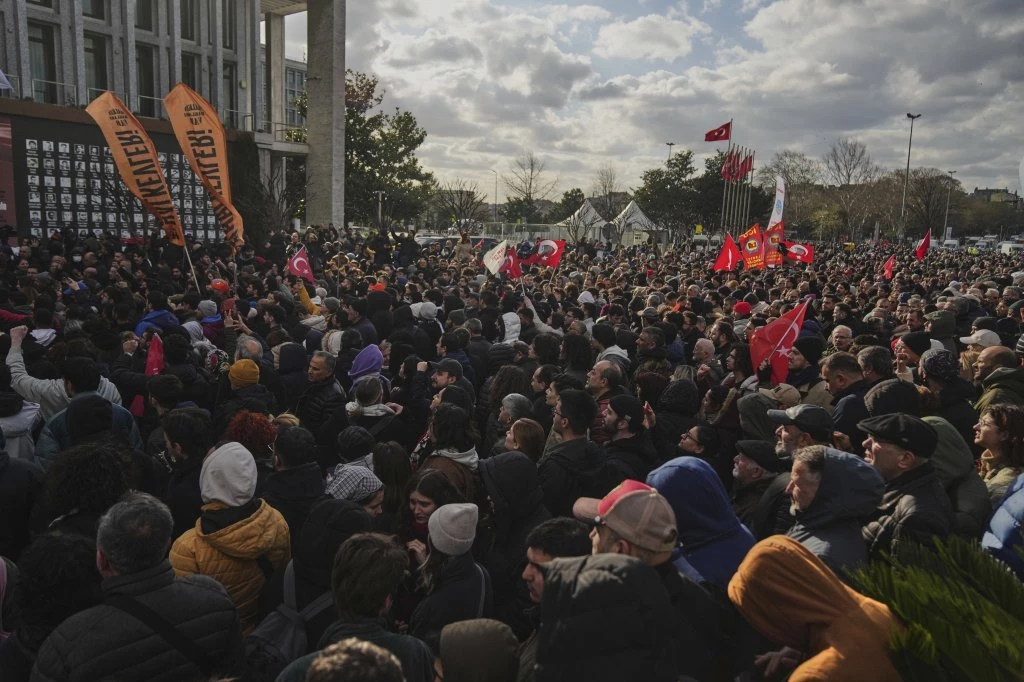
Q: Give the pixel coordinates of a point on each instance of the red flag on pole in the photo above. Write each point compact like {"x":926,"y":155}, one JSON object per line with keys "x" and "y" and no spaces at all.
{"x":729,"y":257}
{"x":774,"y":342}
{"x":801,"y":252}
{"x":887,"y":268}
{"x":746,"y":165}
{"x":924,"y":245}
{"x":752,"y":247}
{"x":719,"y":134}
{"x":549,"y":253}
{"x":731,"y":167}
{"x":512,"y":264}
{"x":772,"y":240}
{"x":299,"y":266}
{"x":154,"y":365}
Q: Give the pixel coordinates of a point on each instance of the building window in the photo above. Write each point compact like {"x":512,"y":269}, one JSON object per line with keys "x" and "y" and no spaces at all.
{"x":145,"y":15}
{"x":294,"y":84}
{"x":145,"y":70}
{"x":228,"y":97}
{"x":97,"y":9}
{"x":95,"y":65}
{"x":230,"y":24}
{"x":42,"y":62}
{"x":190,"y":70}
{"x":189,"y":19}
{"x":42,"y":3}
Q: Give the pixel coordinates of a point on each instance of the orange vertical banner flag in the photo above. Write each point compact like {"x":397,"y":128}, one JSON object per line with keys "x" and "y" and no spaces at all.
{"x":752,"y":248}
{"x":201,"y":136}
{"x":772,"y":238}
{"x":136,"y":160}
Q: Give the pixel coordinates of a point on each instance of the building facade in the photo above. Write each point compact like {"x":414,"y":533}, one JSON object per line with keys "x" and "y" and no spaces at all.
{"x":67,"y":52}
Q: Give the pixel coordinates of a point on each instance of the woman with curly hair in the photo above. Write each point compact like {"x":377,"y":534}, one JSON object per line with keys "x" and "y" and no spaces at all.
{"x":257,"y":432}
{"x":1000,"y":430}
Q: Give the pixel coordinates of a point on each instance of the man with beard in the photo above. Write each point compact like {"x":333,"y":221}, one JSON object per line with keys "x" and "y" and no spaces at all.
{"x":804,"y":373}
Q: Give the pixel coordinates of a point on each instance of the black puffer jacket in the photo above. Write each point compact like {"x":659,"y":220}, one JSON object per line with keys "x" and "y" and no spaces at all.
{"x":255,"y":398}
{"x":293,"y":492}
{"x":511,"y":482}
{"x":957,"y":407}
{"x":106,"y":643}
{"x":292,"y":367}
{"x":319,"y":402}
{"x":20,"y":487}
{"x":456,"y":596}
{"x":605,"y":618}
{"x":914,"y":508}
{"x":569,"y":471}
{"x":197,"y":384}
{"x":631,"y":458}
{"x":676,"y":413}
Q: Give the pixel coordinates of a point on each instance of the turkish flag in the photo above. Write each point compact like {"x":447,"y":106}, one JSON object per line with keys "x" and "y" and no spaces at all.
{"x":729,"y":257}
{"x":512,"y":265}
{"x":298,"y":265}
{"x":887,"y":268}
{"x":801,"y":252}
{"x":746,"y":165}
{"x":719,"y":134}
{"x":923,"y":245}
{"x":731,"y":167}
{"x":774,"y":342}
{"x":154,"y":365}
{"x":549,"y":253}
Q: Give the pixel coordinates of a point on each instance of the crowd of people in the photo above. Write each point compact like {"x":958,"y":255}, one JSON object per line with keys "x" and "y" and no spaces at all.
{"x":412,"y":469}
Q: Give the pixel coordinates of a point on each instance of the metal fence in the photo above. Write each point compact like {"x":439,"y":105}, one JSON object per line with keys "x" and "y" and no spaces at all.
{"x":54,"y":92}
{"x":153,"y":107}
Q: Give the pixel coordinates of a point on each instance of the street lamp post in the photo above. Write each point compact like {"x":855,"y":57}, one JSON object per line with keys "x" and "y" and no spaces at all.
{"x":949,"y":190}
{"x":906,"y":178}
{"x":495,"y":194}
{"x":670,"y":145}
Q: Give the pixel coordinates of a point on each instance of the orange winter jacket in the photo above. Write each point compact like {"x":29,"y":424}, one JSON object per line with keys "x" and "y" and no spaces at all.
{"x":230,"y":555}
{"x":789,"y":596}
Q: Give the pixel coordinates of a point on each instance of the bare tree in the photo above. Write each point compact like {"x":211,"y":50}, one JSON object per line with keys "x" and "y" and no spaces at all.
{"x":849,"y":167}
{"x":461,"y":201}
{"x":527,"y":179}
{"x":575,"y":228}
{"x":801,"y":173}
{"x":606,"y":187}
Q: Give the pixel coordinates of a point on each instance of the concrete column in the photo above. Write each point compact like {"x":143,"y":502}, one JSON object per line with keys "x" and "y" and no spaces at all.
{"x":217,"y":75}
{"x":252,"y":51}
{"x":22,"y":69}
{"x":325,"y":84}
{"x":174,"y":67}
{"x":274,"y":32}
{"x":73,"y":57}
{"x":130,"y":79}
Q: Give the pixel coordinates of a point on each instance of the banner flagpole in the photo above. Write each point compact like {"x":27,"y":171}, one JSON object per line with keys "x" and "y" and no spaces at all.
{"x":725,"y":183}
{"x":188,"y":257}
{"x":750,"y":188}
{"x":734,"y":195}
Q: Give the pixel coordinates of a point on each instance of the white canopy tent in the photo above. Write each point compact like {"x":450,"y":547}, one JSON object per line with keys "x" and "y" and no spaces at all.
{"x":586,"y":216}
{"x":632,"y":219}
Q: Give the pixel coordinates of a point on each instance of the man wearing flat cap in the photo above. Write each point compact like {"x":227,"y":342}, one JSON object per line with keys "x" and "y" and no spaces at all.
{"x":915,"y":506}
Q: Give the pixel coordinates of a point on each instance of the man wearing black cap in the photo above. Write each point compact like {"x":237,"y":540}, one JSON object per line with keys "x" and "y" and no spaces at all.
{"x":804,"y":373}
{"x":915,"y":507}
{"x":909,"y":350}
{"x":755,"y":466}
{"x":629,"y":452}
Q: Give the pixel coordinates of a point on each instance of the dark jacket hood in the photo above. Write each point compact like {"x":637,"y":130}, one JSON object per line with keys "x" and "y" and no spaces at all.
{"x":957,"y":390}
{"x":1010,"y":379}
{"x":943,"y":324}
{"x":850,"y":489}
{"x":511,"y":481}
{"x":293,"y":358}
{"x":680,"y":396}
{"x":10,"y":403}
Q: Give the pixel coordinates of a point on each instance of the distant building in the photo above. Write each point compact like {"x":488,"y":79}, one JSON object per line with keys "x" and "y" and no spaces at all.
{"x":998,"y":196}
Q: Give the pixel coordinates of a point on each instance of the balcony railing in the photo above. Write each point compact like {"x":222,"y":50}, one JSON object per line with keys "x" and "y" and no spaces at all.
{"x":54,"y":92}
{"x":93,"y":93}
{"x":153,"y":107}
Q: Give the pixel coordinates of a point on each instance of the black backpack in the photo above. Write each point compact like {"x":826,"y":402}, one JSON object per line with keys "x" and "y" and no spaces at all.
{"x":280,"y":638}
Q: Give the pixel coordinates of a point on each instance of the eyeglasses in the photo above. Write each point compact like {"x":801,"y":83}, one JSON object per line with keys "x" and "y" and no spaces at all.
{"x":983,"y":423}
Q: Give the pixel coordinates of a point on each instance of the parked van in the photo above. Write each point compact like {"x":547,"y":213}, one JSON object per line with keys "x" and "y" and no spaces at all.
{"x":1011,"y":248}
{"x":951,"y":244}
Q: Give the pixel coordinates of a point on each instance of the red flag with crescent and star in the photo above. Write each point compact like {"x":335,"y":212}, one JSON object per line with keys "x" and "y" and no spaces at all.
{"x":774,"y":341}
{"x":801,"y":252}
{"x":924,"y":245}
{"x":299,"y":266}
{"x":729,"y":257}
{"x":889,"y":264}
{"x":549,"y":253}
{"x":512,"y":265}
{"x":719,"y":134}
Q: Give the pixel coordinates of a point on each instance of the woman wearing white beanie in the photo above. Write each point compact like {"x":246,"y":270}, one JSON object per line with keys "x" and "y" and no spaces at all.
{"x":457,"y":587}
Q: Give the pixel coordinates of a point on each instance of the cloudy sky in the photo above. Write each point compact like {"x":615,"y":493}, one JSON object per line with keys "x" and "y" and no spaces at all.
{"x":586,"y":84}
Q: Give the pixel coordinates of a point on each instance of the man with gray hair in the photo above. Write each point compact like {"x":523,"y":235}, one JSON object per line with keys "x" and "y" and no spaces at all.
{"x":251,"y":347}
{"x":151,"y":625}
{"x":876,"y":364}
{"x":324,"y":394}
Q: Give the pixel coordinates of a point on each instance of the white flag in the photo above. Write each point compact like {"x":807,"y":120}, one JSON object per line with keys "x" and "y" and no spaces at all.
{"x":4,"y":83}
{"x":780,"y":201}
{"x":494,"y":258}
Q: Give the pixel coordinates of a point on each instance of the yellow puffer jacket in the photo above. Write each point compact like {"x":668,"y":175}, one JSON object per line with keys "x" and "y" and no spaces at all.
{"x":230,"y":555}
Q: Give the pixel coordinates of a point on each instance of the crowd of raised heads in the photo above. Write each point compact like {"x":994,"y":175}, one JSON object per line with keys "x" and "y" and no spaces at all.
{"x":403,"y":467}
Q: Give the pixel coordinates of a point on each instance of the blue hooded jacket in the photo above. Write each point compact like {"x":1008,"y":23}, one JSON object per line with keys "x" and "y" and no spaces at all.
{"x":712,"y":539}
{"x":161,"y":320}
{"x":1003,"y":537}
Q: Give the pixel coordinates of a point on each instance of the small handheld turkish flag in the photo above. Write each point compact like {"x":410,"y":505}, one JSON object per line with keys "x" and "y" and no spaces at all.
{"x":801,"y":252}
{"x":774,"y":342}
{"x":729,"y":257}
{"x":154,"y":365}
{"x":887,"y":268}
{"x":719,"y":134}
{"x":549,"y":253}
{"x":299,"y":266}
{"x":924,"y":245}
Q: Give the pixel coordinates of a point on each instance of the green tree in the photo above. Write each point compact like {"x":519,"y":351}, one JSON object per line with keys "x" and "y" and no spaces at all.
{"x":380,"y":155}
{"x":667,"y":196}
{"x":571,"y":200}
{"x":802,"y":174}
